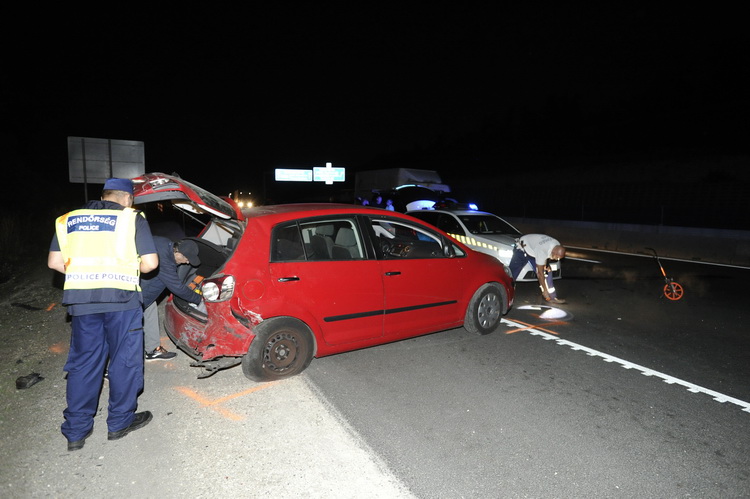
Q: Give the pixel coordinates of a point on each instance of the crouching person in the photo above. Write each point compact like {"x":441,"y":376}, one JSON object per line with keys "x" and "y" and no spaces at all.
{"x":171,"y":255}
{"x":538,"y":250}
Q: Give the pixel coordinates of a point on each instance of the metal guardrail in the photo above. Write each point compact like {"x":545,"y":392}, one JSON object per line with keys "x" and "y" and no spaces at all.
{"x":728,"y":247}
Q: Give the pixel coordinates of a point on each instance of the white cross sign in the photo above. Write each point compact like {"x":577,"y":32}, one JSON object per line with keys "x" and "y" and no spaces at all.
{"x":329,"y":175}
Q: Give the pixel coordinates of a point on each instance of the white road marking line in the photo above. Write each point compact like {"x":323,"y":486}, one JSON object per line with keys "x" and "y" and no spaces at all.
{"x":719,"y":397}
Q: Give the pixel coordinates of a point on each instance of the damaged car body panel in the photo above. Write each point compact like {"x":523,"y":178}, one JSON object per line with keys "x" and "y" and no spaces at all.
{"x":221,"y":334}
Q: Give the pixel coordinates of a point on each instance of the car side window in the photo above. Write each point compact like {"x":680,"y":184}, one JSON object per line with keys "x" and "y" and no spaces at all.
{"x":488,"y":224}
{"x":426,"y":216}
{"x":286,"y":244}
{"x":449,"y":224}
{"x":400,"y":240}
{"x":332,"y":239}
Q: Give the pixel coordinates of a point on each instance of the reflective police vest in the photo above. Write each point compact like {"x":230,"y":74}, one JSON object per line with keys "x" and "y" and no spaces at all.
{"x":98,"y":247}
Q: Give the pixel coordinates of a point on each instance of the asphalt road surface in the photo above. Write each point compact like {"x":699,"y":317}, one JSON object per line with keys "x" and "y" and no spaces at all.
{"x":625,"y":395}
{"x":620,"y":393}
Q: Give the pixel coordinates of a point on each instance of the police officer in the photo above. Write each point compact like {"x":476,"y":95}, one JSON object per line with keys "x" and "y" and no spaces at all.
{"x":102,"y":249}
{"x":538,"y":249}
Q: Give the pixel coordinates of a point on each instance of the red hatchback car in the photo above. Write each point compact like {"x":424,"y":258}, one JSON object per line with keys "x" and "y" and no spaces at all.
{"x":283,"y":284}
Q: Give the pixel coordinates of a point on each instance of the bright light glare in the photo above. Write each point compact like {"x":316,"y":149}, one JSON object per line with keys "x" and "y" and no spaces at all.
{"x":553,"y":313}
{"x":210,"y":291}
{"x":549,"y":313}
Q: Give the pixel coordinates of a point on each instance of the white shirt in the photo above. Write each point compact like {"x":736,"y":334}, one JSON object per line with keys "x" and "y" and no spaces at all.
{"x":539,"y":246}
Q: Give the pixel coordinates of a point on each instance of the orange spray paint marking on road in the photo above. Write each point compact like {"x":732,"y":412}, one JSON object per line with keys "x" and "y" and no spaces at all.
{"x":51,"y":306}
{"x":535,"y":327}
{"x":58,"y":348}
{"x":214,"y":404}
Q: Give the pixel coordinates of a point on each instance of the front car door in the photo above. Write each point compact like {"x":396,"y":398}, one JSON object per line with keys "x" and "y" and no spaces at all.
{"x":421,"y":277}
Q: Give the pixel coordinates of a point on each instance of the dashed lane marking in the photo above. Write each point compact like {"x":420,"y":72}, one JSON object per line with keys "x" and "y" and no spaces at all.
{"x":214,"y":404}
{"x":550,"y":336}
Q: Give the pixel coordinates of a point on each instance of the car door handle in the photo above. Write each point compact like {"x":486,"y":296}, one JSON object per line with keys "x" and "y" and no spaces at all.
{"x":287,"y":279}
{"x":393,"y":273}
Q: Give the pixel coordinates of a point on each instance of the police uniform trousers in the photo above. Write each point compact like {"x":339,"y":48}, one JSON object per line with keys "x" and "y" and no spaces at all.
{"x":117,"y":336}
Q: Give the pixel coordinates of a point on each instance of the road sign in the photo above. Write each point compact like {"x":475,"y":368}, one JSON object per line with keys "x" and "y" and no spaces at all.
{"x":93,"y":161}
{"x":329,"y":175}
{"x":293,"y":175}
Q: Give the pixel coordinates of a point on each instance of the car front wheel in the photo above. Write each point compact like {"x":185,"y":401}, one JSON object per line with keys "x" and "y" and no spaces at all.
{"x":485,"y":309}
{"x":282,"y":348}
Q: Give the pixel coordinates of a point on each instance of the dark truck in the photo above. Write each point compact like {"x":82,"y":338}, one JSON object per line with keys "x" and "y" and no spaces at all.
{"x":409,"y":188}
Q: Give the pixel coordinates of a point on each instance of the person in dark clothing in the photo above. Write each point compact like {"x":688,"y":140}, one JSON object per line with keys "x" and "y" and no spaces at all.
{"x":166,"y":277}
{"x":102,"y":249}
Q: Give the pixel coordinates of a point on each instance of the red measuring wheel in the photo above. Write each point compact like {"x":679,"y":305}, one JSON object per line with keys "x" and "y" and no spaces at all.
{"x":673,"y":291}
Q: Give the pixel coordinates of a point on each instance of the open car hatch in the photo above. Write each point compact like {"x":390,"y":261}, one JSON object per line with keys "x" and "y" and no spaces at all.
{"x":153,"y":187}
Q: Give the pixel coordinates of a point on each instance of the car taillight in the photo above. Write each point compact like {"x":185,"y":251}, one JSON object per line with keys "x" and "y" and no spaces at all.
{"x":218,"y":288}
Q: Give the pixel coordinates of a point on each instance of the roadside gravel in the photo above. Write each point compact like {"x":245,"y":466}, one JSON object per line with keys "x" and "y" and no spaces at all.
{"x":223,"y":435}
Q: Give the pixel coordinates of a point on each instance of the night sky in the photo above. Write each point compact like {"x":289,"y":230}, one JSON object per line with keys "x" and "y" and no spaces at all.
{"x":475,"y":93}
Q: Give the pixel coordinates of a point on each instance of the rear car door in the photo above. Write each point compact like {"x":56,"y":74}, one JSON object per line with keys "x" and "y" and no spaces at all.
{"x":322,"y":269}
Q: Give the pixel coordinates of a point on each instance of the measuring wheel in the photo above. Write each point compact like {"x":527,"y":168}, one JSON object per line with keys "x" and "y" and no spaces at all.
{"x":673,"y":291}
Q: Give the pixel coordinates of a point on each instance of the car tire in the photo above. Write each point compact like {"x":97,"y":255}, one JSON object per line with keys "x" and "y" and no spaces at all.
{"x":282,"y":348}
{"x":486,"y":308}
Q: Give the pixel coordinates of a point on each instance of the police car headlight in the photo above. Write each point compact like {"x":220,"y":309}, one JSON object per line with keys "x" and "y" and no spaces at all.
{"x":505,"y":254}
{"x":218,"y":288}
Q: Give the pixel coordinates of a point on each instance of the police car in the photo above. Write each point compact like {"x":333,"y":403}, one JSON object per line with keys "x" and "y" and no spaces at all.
{"x":480,"y":231}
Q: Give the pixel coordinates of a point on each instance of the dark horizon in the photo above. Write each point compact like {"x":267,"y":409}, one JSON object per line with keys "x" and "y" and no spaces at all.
{"x":476,"y":93}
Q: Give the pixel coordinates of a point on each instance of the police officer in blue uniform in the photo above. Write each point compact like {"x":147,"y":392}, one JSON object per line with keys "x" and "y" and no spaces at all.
{"x":102,"y":249}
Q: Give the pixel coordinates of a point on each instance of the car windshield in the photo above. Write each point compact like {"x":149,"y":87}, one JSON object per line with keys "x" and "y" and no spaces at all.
{"x":488,"y":224}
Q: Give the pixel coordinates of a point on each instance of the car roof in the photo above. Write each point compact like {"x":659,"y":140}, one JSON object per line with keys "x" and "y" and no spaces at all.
{"x":291,"y":211}
{"x":454,"y":212}
{"x":294,"y":208}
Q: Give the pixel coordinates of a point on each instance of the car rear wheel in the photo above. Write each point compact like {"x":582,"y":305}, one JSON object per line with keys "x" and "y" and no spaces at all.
{"x":485,"y":309}
{"x":282,"y":348}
